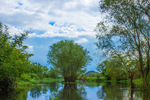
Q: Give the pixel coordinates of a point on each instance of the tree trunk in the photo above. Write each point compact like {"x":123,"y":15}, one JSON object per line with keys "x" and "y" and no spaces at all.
{"x":70,"y":86}
{"x":145,"y":83}
{"x":131,"y":94}
{"x":148,"y":63}
{"x":131,"y":81}
{"x":70,"y":79}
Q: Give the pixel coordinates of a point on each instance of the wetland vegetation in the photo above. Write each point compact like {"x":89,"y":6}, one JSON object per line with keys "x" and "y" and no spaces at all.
{"x":124,"y":39}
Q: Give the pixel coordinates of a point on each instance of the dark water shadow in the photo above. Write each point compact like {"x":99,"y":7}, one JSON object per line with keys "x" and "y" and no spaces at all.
{"x":72,"y":92}
{"x":17,"y":94}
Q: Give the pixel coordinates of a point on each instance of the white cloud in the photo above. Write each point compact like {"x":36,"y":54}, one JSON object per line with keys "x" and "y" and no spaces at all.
{"x":69,"y":31}
{"x":73,"y":19}
{"x":30,"y":48}
{"x":82,"y":40}
{"x":36,"y":15}
{"x":14,"y":31}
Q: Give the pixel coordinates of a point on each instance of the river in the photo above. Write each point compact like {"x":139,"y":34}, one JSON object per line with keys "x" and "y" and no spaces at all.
{"x":86,"y":91}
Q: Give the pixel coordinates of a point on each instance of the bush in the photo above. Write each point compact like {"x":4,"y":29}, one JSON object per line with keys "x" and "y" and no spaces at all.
{"x":92,"y":74}
{"x":91,"y":79}
{"x":25,"y":77}
{"x":138,"y":82}
{"x":34,"y":76}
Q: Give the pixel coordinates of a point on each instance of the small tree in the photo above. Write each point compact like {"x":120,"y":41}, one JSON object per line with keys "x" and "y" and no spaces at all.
{"x":53,"y":73}
{"x":119,"y":66}
{"x":68,"y":58}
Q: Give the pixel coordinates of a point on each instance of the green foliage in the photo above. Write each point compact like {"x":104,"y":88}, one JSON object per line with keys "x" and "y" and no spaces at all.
{"x":148,"y":78}
{"x":92,"y":74}
{"x":39,"y":70}
{"x":53,"y":73}
{"x":91,"y":79}
{"x":56,"y":98}
{"x":13,"y":57}
{"x":126,"y":32}
{"x":138,"y":82}
{"x":34,"y":76}
{"x":118,"y":67}
{"x":25,"y":77}
{"x":15,"y":66}
{"x":68,"y":58}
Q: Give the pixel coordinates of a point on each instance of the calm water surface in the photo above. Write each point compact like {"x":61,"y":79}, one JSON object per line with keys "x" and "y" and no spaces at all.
{"x":86,"y":91}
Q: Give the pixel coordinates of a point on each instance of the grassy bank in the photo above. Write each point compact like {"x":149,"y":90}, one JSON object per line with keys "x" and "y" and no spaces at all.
{"x":137,"y":82}
{"x":39,"y":81}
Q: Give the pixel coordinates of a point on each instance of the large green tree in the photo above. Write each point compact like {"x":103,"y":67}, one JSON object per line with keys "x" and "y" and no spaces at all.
{"x":68,"y":58}
{"x":13,"y":58}
{"x":126,"y":31}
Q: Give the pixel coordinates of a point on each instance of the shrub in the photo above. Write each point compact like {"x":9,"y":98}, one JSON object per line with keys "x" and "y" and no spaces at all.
{"x":25,"y":77}
{"x":34,"y":76}
{"x":138,"y":82}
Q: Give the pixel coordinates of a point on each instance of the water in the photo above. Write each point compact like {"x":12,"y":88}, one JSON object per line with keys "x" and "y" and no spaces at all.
{"x":86,"y":91}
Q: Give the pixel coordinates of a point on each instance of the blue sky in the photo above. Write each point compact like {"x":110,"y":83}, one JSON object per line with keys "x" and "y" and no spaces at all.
{"x":50,"y":21}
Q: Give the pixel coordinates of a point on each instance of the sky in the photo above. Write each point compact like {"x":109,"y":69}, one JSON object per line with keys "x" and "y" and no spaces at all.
{"x":50,"y":21}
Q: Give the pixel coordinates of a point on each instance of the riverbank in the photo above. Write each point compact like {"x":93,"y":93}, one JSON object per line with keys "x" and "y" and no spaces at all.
{"x":39,"y":81}
{"x":60,"y":80}
{"x":93,"y":80}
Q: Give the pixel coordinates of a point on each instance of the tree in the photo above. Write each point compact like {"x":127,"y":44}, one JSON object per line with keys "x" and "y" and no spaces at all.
{"x":36,"y":69}
{"x":111,"y":68}
{"x":129,"y":31}
{"x":119,"y":66}
{"x":13,"y":58}
{"x":68,"y":58}
{"x":102,"y":67}
{"x":129,"y":65}
{"x":53,"y":73}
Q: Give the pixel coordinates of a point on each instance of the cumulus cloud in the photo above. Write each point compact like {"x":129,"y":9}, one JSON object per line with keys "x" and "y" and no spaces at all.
{"x":69,"y":16}
{"x":82,"y":40}
{"x":65,"y":30}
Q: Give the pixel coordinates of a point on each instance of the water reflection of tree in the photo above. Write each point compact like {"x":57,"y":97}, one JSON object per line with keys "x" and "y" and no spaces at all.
{"x":43,"y":89}
{"x":71,"y":92}
{"x":53,"y":87}
{"x":18,"y":94}
{"x":101,"y":94}
{"x":142,"y":94}
{"x":82,"y":90}
{"x":146,"y":95}
{"x":121,"y":92}
{"x":92,"y":84}
{"x":74,"y":92}
{"x":36,"y":91}
{"x":111,"y":92}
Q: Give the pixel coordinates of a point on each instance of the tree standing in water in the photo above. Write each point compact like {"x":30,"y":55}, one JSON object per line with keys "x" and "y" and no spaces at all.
{"x":68,"y":58}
